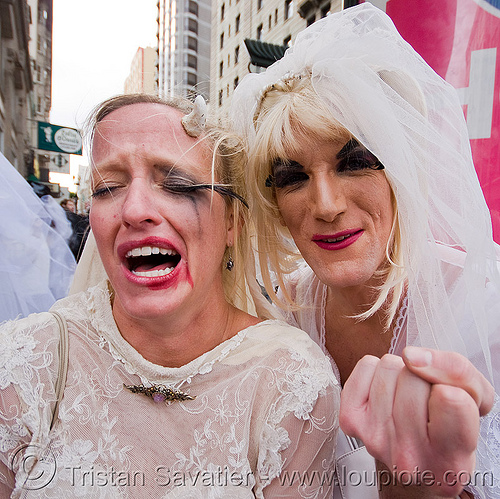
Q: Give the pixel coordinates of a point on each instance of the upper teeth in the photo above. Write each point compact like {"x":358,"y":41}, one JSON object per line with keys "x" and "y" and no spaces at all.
{"x":150,"y":250}
{"x":337,"y":239}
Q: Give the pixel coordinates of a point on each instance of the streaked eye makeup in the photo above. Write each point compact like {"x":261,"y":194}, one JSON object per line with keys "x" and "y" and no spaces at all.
{"x":178,"y":183}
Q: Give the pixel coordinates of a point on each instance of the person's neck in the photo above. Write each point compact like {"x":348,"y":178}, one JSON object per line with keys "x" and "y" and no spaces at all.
{"x":178,"y":339}
{"x":347,"y":338}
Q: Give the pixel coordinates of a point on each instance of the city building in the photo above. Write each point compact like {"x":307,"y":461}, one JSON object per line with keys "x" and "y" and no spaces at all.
{"x":249,"y":35}
{"x":142,"y":76}
{"x":15,"y":82}
{"x":40,"y":53}
{"x":183,"y":47}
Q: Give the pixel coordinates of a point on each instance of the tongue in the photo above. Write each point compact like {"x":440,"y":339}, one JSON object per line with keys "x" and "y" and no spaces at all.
{"x":144,"y":267}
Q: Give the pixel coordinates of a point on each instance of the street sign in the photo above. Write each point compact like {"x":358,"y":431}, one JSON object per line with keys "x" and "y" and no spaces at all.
{"x":59,"y":162}
{"x":59,"y":139}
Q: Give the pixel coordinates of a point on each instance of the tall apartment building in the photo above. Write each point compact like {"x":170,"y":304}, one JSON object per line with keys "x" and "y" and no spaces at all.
{"x":15,"y":81}
{"x":184,"y":47}
{"x":248,"y":35}
{"x":40,"y":51}
{"x":142,"y":76}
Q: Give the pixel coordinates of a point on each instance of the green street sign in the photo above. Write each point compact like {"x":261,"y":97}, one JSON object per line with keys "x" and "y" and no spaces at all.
{"x":59,"y":139}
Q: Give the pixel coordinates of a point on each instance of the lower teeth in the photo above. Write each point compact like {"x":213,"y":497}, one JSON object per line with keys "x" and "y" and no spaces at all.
{"x":154,"y":273}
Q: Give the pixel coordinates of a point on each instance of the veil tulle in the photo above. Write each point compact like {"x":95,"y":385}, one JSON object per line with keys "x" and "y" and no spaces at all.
{"x":36,"y":264}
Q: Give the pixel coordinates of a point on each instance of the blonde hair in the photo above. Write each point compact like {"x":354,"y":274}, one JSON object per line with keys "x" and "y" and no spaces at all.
{"x":228,"y":158}
{"x":288,"y":110}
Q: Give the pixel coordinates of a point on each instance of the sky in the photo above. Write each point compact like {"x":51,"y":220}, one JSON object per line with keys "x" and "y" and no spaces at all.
{"x":93,"y":44}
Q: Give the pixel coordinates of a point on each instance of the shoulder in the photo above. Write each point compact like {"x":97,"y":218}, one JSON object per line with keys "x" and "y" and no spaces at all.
{"x":277,"y":343}
{"x":36,"y":326}
{"x":83,"y":304}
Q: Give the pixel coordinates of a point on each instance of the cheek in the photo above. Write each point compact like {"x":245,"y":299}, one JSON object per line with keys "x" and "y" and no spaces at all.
{"x":288,"y":210}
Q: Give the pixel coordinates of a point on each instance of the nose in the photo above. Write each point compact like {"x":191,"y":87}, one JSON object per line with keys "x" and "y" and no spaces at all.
{"x":139,"y":205}
{"x":327,"y":199}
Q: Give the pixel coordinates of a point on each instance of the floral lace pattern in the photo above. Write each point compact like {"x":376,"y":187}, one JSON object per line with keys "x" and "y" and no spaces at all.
{"x":265,"y":401}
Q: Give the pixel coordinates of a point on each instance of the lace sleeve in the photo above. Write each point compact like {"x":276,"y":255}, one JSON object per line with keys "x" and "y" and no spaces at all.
{"x":28,"y":366}
{"x":297,"y":440}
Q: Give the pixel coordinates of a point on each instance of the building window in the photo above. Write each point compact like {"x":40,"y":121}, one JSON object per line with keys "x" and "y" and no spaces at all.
{"x":325,"y":10}
{"x":259,"y":32}
{"x":192,"y":43}
{"x":192,"y":25}
{"x":228,"y":60}
{"x":221,"y":96}
{"x":227,"y":90}
{"x":192,"y":61}
{"x":193,"y":7}
{"x":259,"y":4}
{"x":276,"y":16}
{"x":237,"y":27}
{"x":191,"y":79}
{"x":221,"y":69}
{"x":236,"y":54}
{"x":287,"y":41}
{"x":270,"y":22}
{"x":288,"y":9}
{"x":222,"y":40}
{"x":311,"y":20}
{"x":222,"y":11}
{"x":236,"y":81}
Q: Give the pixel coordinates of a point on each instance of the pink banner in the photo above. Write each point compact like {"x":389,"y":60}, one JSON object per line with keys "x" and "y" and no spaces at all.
{"x":460,"y":40}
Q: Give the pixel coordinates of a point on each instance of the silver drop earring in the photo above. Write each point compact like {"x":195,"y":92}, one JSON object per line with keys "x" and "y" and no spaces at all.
{"x":230,"y":263}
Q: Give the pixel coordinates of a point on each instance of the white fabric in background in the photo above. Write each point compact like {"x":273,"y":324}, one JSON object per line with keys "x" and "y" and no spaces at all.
{"x":36,"y":264}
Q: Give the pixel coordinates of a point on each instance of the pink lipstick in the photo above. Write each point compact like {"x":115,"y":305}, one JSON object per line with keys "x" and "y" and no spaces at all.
{"x":337,"y":241}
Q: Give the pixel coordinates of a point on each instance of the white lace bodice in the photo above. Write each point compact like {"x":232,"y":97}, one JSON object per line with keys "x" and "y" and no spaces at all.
{"x":266,"y":404}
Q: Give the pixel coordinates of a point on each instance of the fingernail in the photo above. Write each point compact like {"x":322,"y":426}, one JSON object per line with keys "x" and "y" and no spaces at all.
{"x":418,"y":357}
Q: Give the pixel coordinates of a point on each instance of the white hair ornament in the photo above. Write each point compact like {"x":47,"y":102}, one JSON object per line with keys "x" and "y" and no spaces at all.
{"x":194,"y":122}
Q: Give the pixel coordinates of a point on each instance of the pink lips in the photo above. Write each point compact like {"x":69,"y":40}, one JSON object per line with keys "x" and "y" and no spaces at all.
{"x":337,"y":241}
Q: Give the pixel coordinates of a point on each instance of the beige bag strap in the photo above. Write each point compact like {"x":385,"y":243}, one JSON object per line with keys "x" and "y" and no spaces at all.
{"x":63,"y":363}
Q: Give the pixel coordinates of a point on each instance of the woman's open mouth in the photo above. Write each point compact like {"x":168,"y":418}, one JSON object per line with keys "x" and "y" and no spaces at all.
{"x":151,"y":261}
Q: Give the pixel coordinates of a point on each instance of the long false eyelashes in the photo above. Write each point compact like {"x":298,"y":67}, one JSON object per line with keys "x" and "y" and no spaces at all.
{"x":221,"y":189}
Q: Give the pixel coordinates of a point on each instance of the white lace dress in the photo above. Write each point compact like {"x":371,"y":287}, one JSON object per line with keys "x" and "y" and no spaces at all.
{"x":263,"y":424}
{"x":354,"y":466}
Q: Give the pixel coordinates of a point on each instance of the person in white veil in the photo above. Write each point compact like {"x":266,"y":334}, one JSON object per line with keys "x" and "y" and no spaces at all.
{"x":358,"y":151}
{"x":36,"y":264}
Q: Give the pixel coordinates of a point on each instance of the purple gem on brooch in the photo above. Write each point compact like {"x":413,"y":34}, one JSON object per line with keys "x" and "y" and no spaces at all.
{"x":159,"y":397}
